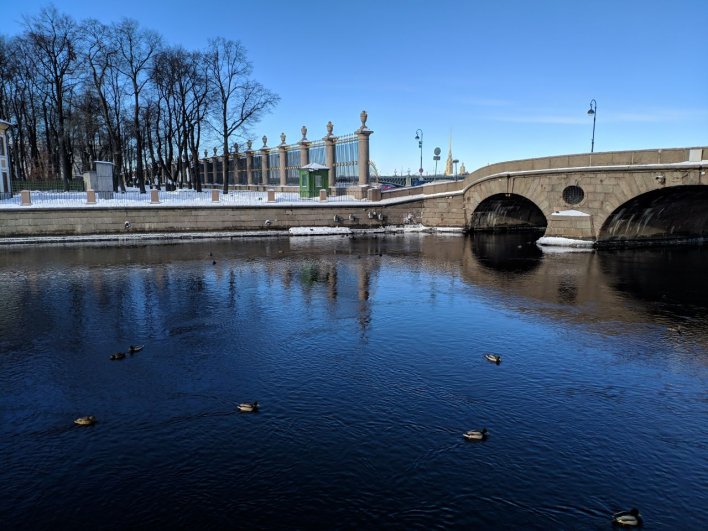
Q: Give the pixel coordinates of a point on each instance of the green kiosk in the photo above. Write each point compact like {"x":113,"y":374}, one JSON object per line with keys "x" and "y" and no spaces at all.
{"x":313,"y":178}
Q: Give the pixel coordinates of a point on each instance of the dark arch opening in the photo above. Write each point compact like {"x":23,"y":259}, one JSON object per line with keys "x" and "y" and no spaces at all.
{"x":502,"y":212}
{"x":512,"y":253}
{"x":677,"y":213}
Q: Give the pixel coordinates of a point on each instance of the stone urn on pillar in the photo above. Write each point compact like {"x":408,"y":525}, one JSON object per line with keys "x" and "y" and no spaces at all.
{"x":363,"y":116}
{"x":363,"y":134}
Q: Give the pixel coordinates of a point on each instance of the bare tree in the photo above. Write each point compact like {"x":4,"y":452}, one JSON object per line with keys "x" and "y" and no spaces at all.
{"x":238,"y":100}
{"x":136,"y":49}
{"x":103,"y":77}
{"x":196,"y":110}
{"x":53,"y":38}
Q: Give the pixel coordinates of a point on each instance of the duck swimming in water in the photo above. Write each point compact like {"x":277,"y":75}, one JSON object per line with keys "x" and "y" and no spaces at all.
{"x":248,"y":407}
{"x":494,"y":358}
{"x":85,"y":421}
{"x":475,"y":435}
{"x":630,"y":518}
{"x":118,"y":356}
{"x":135,"y":348}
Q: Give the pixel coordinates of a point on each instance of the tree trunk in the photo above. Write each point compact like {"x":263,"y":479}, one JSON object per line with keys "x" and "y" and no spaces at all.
{"x":139,"y":171}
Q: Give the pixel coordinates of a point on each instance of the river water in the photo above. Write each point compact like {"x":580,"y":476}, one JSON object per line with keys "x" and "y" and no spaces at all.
{"x":366,"y":356}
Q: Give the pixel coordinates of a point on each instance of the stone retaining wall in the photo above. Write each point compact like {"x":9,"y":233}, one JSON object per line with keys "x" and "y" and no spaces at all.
{"x":31,"y":221}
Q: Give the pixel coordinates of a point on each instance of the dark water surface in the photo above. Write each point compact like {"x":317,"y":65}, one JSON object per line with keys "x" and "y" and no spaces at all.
{"x":367,"y":357}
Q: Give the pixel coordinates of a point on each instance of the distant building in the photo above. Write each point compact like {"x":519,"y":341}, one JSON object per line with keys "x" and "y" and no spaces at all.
{"x":5,"y":182}
{"x":449,"y":169}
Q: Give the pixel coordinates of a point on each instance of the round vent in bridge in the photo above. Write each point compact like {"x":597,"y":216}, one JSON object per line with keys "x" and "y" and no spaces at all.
{"x":573,"y":195}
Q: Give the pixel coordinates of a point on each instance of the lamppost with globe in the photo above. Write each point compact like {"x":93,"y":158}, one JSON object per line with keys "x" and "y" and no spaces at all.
{"x":419,"y":138}
{"x":593,"y":112}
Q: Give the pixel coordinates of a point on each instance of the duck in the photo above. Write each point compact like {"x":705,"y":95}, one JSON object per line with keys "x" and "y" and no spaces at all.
{"x":118,"y":356}
{"x":494,"y":358}
{"x":677,"y":329}
{"x":475,"y":435}
{"x":248,"y":407}
{"x":630,"y":518}
{"x":90,"y":420}
{"x":135,"y":348}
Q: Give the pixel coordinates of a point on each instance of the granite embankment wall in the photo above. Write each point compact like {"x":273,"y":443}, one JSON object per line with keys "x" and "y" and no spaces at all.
{"x":32,"y":221}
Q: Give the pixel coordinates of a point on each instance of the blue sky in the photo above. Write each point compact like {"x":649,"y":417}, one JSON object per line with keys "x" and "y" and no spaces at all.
{"x":509,"y":79}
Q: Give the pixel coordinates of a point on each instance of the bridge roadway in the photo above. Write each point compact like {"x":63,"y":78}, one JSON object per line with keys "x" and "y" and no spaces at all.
{"x":601,"y":197}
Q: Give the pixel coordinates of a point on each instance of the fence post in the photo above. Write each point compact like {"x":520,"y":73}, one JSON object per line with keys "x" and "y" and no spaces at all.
{"x":283,"y":159}
{"x":264,"y":161}
{"x":249,"y":162}
{"x":271,"y":196}
{"x":90,"y":197}
{"x":25,"y":198}
{"x":373,"y":194}
{"x":154,"y":197}
{"x":323,"y":194}
{"x":363,"y":134}
{"x":214,"y":195}
{"x":330,"y":155}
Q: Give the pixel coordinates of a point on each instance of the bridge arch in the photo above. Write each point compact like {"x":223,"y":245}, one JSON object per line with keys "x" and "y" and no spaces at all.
{"x":507,"y":211}
{"x":505,"y":202}
{"x":672,"y":213}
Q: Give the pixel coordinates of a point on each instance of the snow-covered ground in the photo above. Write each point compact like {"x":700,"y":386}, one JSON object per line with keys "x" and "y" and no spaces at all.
{"x":133,"y":198}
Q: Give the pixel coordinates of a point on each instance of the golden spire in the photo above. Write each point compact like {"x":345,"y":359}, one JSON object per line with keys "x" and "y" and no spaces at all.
{"x":449,"y":171}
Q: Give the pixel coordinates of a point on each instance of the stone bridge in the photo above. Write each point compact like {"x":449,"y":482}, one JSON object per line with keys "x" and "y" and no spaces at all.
{"x":603,"y":197}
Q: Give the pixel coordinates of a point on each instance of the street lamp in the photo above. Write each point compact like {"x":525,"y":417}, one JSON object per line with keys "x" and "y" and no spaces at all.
{"x":436,"y":158}
{"x":593,"y":111}
{"x":455,"y":163}
{"x":419,"y":138}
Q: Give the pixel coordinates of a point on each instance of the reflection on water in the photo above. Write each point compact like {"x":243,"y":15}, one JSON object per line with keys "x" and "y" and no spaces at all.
{"x":515,"y":252}
{"x":367,"y":357}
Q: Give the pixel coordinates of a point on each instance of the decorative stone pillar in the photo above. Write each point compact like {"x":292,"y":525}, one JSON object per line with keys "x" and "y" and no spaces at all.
{"x":264,"y":161}
{"x":283,"y":159}
{"x":205,"y":165}
{"x":234,"y":157}
{"x":330,"y":155}
{"x":304,"y":148}
{"x":186,"y":168}
{"x":363,"y":134}
{"x":249,"y":162}
{"x":214,"y":168}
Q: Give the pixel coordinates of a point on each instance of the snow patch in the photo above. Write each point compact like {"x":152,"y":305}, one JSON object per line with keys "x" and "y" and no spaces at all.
{"x":318,"y":231}
{"x":564,"y":242}
{"x":569,"y":213}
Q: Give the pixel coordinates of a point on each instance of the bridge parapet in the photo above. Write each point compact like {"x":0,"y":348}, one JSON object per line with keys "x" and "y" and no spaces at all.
{"x":608,"y":158}
{"x":601,"y":197}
